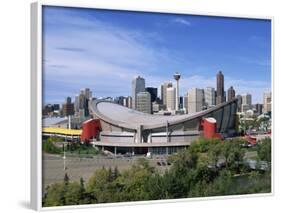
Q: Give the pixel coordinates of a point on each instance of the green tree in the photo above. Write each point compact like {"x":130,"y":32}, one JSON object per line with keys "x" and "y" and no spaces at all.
{"x":133,"y":182}
{"x":233,"y":152}
{"x":72,"y":194}
{"x":110,"y":175}
{"x":203,"y":145}
{"x":66,"y":179}
{"x":55,"y":195}
{"x":82,"y":192}
{"x":190,"y":175}
{"x":184,"y":160}
{"x":226,"y":152}
{"x":222,"y":185}
{"x":97,"y":185}
{"x":48,"y":146}
{"x":264,"y":149}
{"x":155,"y":186}
{"x":236,"y":158}
{"x":115,"y":173}
{"x":174,"y":185}
{"x":215,"y":153}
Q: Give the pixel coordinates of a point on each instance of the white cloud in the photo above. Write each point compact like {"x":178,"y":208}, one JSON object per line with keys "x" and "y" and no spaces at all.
{"x":90,"y":53}
{"x":98,"y":55}
{"x":182,"y":21}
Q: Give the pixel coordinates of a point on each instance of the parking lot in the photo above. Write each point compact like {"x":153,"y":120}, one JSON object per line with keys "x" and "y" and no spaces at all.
{"x":75,"y":167}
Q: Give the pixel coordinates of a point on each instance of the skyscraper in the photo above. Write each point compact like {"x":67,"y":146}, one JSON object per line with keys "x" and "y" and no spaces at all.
{"x":56,"y":107}
{"x":239,"y":103}
{"x":155,"y":107}
{"x":181,"y":102}
{"x":171,"y":99}
{"x":48,"y":109}
{"x":130,"y":102}
{"x":246,"y":102}
{"x":127,"y":102}
{"x":164,"y":93}
{"x":76,"y":103}
{"x":220,"y":89}
{"x":230,"y":93}
{"x":144,"y":102}
{"x":258,"y":109}
{"x":119,"y":100}
{"x":68,"y":107}
{"x":185,"y":102}
{"x":247,"y":99}
{"x":138,"y":85}
{"x":83,"y":104}
{"x":210,"y":96}
{"x":153,"y":93}
{"x":87,"y":93}
{"x":195,"y":100}
{"x":267,"y":102}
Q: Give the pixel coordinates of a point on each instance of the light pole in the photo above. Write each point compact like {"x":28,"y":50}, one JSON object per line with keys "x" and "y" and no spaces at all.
{"x":64,"y":157}
{"x":177,"y":78}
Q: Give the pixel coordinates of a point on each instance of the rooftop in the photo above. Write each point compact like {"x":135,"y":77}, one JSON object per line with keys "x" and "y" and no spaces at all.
{"x":62,"y":131}
{"x":129,"y":118}
{"x":50,"y":121}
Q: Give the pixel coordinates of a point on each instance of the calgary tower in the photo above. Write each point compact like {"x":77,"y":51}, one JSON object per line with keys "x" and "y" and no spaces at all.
{"x":177,"y":77}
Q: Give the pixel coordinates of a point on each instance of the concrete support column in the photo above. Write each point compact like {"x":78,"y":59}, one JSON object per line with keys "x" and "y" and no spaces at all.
{"x":115,"y":150}
{"x":139,"y":134}
{"x":150,"y":138}
{"x":133,"y":151}
{"x":135,"y":137}
{"x":167,"y":132}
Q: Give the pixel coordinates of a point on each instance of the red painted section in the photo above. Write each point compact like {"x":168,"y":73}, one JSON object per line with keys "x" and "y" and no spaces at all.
{"x":250,"y":139}
{"x":218,"y":136}
{"x":90,"y":129}
{"x":209,"y":128}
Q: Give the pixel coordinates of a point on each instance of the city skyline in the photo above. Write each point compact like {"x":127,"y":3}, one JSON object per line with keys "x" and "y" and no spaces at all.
{"x":159,"y":93}
{"x":105,"y":56}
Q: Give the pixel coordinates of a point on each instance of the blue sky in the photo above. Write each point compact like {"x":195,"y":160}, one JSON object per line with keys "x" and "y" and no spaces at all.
{"x":105,"y":49}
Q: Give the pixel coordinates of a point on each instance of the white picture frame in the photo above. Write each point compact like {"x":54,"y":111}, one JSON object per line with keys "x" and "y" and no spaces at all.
{"x":36,"y":99}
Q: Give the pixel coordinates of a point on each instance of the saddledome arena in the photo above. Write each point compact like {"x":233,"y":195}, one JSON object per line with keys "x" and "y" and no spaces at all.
{"x":127,"y":130}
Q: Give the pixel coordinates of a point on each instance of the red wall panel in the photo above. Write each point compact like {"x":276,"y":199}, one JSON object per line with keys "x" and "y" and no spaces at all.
{"x":90,"y":129}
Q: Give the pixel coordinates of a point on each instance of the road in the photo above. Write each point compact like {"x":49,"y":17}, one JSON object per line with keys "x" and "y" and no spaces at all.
{"x":251,"y":154}
{"x":53,"y":166}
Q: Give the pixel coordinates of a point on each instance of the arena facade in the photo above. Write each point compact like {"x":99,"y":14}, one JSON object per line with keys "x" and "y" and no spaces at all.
{"x":127,"y":130}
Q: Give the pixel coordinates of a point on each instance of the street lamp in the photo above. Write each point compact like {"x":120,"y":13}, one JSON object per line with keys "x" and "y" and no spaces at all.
{"x":64,"y":156}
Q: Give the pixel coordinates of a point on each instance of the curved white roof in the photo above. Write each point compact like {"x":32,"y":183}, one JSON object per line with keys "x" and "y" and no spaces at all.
{"x":211,"y":120}
{"x":129,"y":118}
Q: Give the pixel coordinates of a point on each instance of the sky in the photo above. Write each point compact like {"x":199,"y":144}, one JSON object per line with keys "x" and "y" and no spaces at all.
{"x":105,"y":49}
